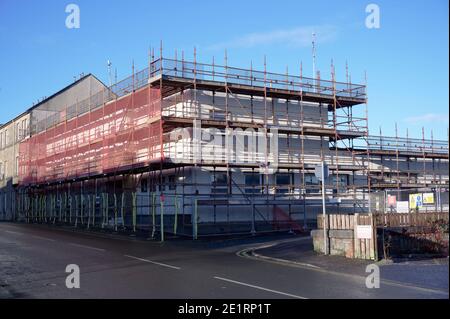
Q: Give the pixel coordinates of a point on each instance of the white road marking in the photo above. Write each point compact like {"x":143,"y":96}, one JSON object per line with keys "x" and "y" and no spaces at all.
{"x":13,"y":232}
{"x":88,"y":247}
{"x":153,"y":262}
{"x":261,"y":288}
{"x":43,"y":238}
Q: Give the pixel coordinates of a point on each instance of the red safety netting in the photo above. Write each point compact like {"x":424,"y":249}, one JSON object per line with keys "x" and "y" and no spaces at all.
{"x":282,"y":220}
{"x":122,"y":134}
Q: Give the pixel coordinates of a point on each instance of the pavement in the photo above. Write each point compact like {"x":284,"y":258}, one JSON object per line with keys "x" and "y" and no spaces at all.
{"x":33,"y":261}
{"x":428,"y":273}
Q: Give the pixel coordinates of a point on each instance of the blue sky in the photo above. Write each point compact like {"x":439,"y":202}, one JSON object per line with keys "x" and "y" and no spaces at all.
{"x":406,"y":59}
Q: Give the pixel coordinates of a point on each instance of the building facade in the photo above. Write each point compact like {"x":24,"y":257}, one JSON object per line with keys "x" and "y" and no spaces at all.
{"x":198,"y":149}
{"x":11,"y":134}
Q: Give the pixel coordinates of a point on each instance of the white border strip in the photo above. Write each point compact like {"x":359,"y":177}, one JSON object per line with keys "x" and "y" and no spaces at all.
{"x":261,"y":288}
{"x":153,"y":262}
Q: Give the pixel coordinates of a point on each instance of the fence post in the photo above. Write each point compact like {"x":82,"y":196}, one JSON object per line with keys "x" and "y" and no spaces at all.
{"x":115,"y":212}
{"x":27,"y":212}
{"x":175,"y":222}
{"x":194,"y":220}
{"x":107,"y":209}
{"x":122,"y":200}
{"x":65,"y":207}
{"x":356,"y":249}
{"x":39,"y":209}
{"x":103,"y":210}
{"x":44,"y":207}
{"x":133,"y":195}
{"x":54,"y":208}
{"x":76,"y":209}
{"x":253,"y":231}
{"x":161,"y":202}
{"x":41,"y":214}
{"x":82,"y":208}
{"x":440,"y":199}
{"x":89,"y":211}
{"x":374,"y":236}
{"x":70,"y":208}
{"x":94,"y":202}
{"x":153,"y":214}
{"x":60,"y":208}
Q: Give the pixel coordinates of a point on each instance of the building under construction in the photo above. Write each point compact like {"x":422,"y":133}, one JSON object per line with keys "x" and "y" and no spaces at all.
{"x":194,"y":149}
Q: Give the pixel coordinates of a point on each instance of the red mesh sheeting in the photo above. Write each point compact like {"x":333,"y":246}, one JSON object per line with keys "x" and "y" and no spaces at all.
{"x":122,"y":134}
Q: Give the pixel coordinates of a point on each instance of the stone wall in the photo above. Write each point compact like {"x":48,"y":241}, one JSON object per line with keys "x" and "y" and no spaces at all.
{"x":340,"y":242}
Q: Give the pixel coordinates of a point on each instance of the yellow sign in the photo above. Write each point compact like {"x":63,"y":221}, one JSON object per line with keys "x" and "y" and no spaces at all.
{"x":415,"y":201}
{"x":428,"y":198}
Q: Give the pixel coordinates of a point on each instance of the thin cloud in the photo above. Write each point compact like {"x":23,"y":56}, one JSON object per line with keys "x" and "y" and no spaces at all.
{"x":427,"y":118}
{"x":295,"y":37}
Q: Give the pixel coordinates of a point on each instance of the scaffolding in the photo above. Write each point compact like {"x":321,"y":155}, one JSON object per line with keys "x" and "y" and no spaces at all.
{"x":404,"y":162}
{"x":83,"y":164}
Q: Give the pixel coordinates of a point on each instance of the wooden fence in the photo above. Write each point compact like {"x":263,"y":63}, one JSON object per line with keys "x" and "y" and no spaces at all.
{"x":342,"y":221}
{"x":410,"y":219}
{"x":364,"y":227}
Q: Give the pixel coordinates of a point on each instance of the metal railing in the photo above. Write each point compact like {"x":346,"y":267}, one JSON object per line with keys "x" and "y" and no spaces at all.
{"x":220,"y":73}
{"x":389,"y":143}
{"x":200,"y":71}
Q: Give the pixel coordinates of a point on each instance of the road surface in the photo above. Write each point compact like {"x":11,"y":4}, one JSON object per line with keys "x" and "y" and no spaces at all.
{"x":33,"y":260}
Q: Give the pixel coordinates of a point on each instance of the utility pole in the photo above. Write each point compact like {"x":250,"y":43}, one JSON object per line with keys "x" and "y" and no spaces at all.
{"x":324,"y":211}
{"x":321,"y":173}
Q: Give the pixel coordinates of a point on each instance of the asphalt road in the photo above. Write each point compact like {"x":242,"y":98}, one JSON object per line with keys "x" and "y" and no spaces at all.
{"x":33,"y":260}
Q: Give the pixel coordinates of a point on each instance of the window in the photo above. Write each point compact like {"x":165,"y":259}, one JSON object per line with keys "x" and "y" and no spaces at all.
{"x":172,"y":184}
{"x":343,"y":179}
{"x":311,"y":183}
{"x":21,"y":130}
{"x":144,"y":185}
{"x":252,"y":183}
{"x":25,"y":128}
{"x":342,"y":182}
{"x":311,"y":179}
{"x":6,"y":137}
{"x":2,"y":176}
{"x":283,"y":181}
{"x":17,"y":166}
{"x":17,"y":131}
{"x":217,"y":114}
{"x":152,"y":185}
{"x":1,"y":139}
{"x":219,"y":183}
{"x":161,"y":184}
